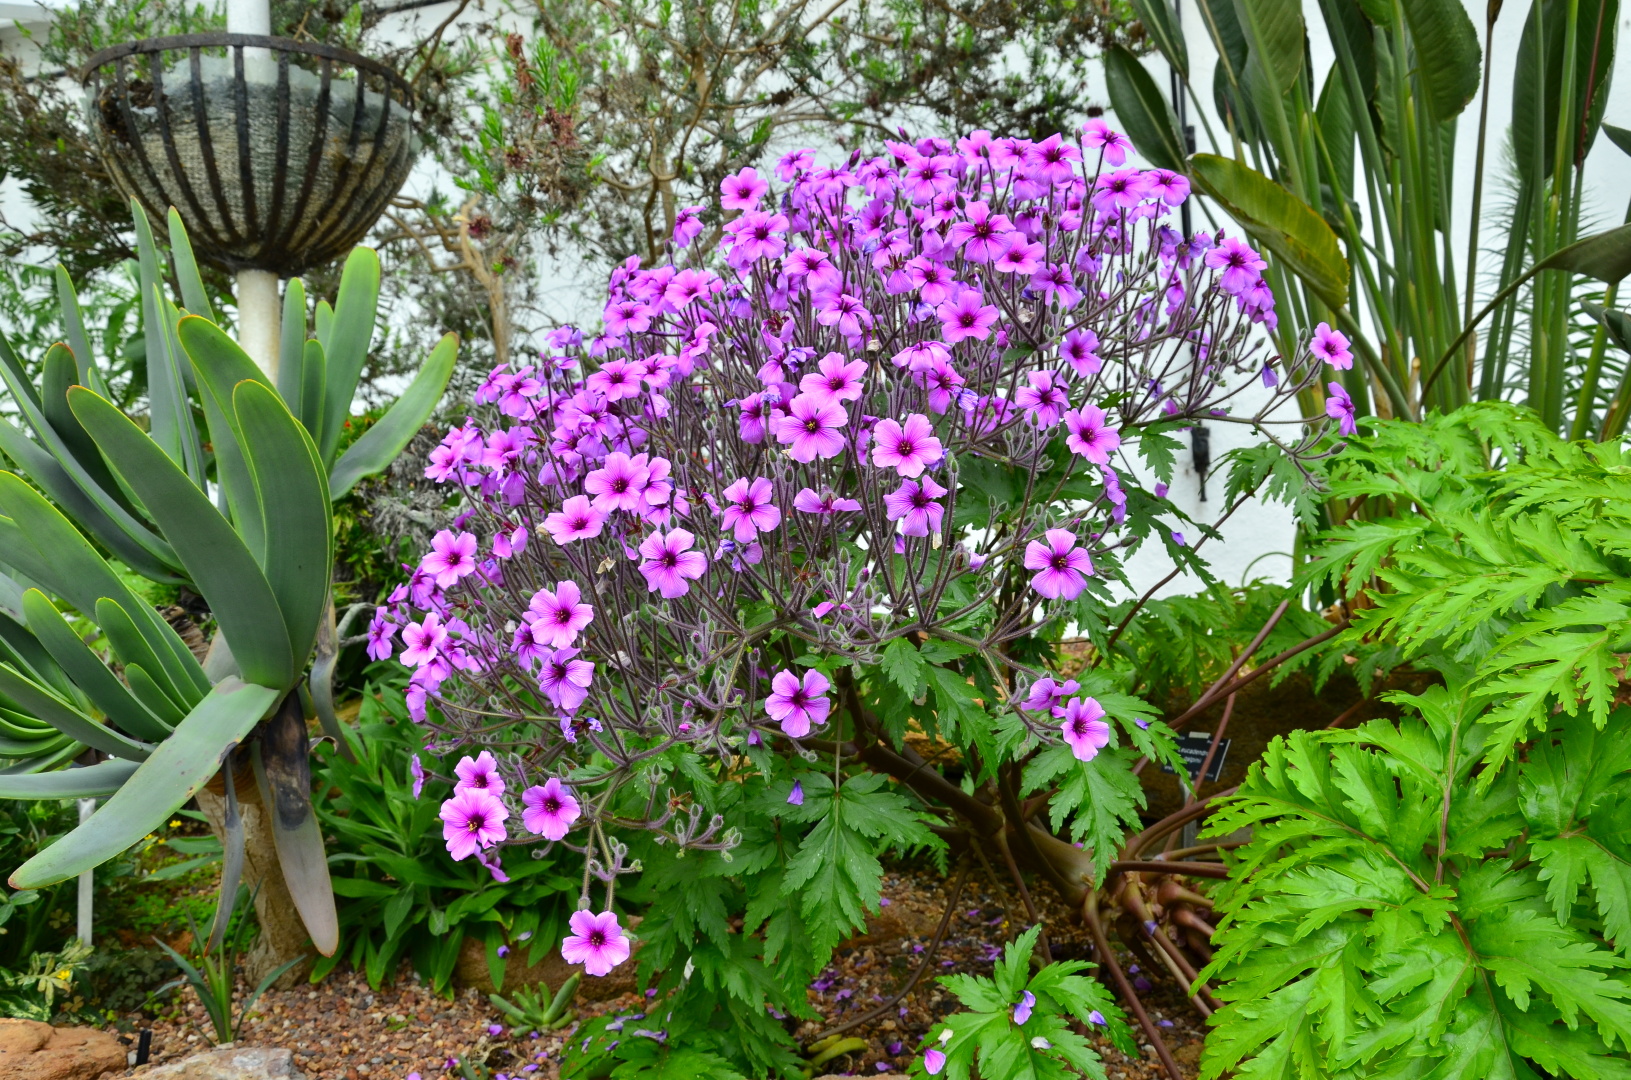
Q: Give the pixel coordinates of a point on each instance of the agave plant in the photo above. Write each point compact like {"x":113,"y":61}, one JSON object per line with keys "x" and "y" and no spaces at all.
{"x":260,"y":554}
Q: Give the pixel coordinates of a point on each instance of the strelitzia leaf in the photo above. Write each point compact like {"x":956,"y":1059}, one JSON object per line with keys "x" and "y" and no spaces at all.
{"x":180,"y":766}
{"x":295,"y":506}
{"x":91,"y":781}
{"x":82,"y":665}
{"x":1142,"y":109}
{"x":381,"y":444}
{"x":226,"y":573}
{"x":1280,"y":221}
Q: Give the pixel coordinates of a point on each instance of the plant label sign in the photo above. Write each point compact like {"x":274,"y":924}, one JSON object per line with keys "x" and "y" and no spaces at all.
{"x":1192,"y":748}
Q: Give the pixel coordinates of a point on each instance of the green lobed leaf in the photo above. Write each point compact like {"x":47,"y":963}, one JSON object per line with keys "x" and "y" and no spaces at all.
{"x":175,"y":772}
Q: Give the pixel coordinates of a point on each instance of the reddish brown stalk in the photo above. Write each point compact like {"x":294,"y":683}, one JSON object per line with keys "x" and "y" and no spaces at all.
{"x":1107,"y":957}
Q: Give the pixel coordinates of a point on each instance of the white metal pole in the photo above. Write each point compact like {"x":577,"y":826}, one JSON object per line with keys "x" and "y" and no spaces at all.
{"x":258,"y":318}
{"x":87,"y":886}
{"x":249,"y":17}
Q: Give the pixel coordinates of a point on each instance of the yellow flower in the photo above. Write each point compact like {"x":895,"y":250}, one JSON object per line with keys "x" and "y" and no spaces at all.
{"x":176,"y":824}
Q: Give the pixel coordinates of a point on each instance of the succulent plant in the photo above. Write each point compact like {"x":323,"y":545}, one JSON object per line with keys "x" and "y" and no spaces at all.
{"x":260,"y":554}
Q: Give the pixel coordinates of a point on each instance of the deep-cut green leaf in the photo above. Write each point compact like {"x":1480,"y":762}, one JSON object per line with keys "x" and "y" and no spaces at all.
{"x":383,"y":443}
{"x":226,"y":573}
{"x":180,"y":766}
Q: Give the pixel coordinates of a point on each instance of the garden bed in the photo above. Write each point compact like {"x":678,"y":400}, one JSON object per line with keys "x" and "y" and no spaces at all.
{"x":343,"y":1030}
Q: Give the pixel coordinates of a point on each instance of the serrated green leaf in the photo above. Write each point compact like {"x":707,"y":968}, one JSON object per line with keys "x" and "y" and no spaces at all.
{"x":905,"y":667}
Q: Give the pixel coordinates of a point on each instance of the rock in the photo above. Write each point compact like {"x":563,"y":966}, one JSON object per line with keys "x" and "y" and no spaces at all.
{"x":232,"y":1063}
{"x":30,"y":1050}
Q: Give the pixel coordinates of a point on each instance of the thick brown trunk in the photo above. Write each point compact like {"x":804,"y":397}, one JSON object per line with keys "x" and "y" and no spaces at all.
{"x":282,"y":935}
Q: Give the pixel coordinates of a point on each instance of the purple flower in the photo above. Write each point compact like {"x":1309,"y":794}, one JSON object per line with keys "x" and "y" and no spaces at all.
{"x":1241,"y":266}
{"x":933,"y":1061}
{"x":908,"y":448}
{"x":981,"y":234}
{"x":577,"y":519}
{"x":798,"y":704}
{"x":742,"y":190}
{"x":966,"y":317}
{"x":417,"y":770}
{"x":748,"y":509}
{"x":1062,"y":567}
{"x":1048,"y":695}
{"x":687,"y":225}
{"x":848,"y":314}
{"x":480,"y":774}
{"x":565,"y":679}
{"x":495,"y":1029}
{"x":1096,"y":135}
{"x":380,"y":630}
{"x":913,"y":505}
{"x":1096,"y":1017}
{"x":596,"y":942}
{"x":1339,"y":407}
{"x":618,"y":484}
{"x":1080,"y":350}
{"x":423,"y":640}
{"x":558,"y":617}
{"x":812,"y":429}
{"x":835,"y":380}
{"x":669,"y":565}
{"x":472,"y":819}
{"x":1332,"y":347}
{"x":1090,"y":434}
{"x":1085,"y":729}
{"x":808,"y":502}
{"x":1022,"y":1011}
{"x":451,"y":557}
{"x":796,"y":796}
{"x":1173,"y":188}
{"x":1041,"y":399}
{"x":550,"y":810}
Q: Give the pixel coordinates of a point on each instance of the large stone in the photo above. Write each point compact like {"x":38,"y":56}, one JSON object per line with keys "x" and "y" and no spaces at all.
{"x":30,"y":1050}
{"x":232,"y":1063}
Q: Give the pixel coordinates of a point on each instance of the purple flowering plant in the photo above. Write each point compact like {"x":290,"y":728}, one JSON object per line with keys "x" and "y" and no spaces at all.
{"x":846,"y":477}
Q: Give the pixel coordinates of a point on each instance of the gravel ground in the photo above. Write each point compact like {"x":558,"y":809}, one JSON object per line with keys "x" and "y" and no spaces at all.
{"x":342,"y":1030}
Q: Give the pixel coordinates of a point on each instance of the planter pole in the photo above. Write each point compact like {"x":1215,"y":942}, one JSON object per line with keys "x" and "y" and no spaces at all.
{"x":258,"y":318}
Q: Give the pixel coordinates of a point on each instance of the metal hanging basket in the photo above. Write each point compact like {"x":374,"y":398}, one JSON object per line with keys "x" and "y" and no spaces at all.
{"x":278,"y":154}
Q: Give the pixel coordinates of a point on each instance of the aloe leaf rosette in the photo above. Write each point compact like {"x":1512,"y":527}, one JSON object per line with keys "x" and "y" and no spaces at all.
{"x":236,"y":507}
{"x":165,"y":727}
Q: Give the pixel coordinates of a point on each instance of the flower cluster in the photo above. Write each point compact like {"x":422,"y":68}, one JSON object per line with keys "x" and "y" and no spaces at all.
{"x":892,"y":399}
